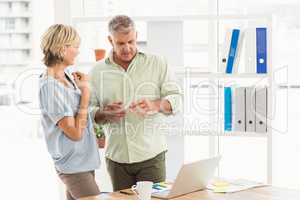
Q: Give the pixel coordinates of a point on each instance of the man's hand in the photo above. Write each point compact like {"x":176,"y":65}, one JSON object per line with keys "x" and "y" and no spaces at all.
{"x":114,"y":112}
{"x":145,"y":107}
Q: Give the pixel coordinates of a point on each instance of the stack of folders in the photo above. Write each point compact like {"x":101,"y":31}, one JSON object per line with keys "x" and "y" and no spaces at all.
{"x":255,"y":50}
{"x":245,"y":109}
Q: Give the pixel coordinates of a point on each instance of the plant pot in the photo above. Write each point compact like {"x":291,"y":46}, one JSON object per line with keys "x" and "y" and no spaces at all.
{"x":99,"y":54}
{"x":101,"y":142}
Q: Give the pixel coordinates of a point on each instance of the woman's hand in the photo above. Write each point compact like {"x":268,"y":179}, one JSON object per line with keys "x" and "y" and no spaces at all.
{"x":81,"y":80}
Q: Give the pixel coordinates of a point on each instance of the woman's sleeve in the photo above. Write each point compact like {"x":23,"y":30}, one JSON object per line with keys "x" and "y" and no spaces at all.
{"x":54,"y":102}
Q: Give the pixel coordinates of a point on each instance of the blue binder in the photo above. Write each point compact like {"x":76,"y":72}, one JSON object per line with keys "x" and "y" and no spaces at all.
{"x":261,"y":50}
{"x":232,"y":51}
{"x":227,"y":109}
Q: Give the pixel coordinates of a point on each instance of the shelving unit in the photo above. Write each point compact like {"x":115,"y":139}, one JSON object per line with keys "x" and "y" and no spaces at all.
{"x":15,"y":32}
{"x":220,"y":79}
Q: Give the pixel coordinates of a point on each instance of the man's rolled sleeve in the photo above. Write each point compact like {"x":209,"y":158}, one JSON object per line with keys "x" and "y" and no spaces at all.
{"x":170,"y":89}
{"x":175,"y":102}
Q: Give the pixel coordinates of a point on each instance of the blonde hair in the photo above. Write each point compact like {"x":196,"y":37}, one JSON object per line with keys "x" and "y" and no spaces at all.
{"x":54,"y":40}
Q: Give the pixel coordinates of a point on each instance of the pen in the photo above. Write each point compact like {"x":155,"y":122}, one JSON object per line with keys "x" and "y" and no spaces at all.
{"x":125,"y":192}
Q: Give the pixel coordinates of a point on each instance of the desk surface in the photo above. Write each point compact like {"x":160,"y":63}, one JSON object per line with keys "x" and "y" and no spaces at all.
{"x":262,"y":193}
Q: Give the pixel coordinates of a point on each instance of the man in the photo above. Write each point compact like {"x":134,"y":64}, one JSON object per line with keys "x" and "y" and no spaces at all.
{"x":132,"y":93}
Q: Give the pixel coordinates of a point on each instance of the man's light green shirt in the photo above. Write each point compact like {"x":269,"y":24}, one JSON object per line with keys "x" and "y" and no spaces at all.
{"x":135,"y":138}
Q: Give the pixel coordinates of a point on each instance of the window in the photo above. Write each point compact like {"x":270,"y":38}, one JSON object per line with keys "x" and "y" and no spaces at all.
{"x":10,"y":24}
{"x":22,"y":145}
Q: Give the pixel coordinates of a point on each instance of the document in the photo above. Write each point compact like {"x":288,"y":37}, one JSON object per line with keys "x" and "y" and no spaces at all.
{"x":229,"y":186}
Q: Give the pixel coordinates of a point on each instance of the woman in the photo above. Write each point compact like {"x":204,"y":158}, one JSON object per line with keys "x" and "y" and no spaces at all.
{"x":65,"y":117}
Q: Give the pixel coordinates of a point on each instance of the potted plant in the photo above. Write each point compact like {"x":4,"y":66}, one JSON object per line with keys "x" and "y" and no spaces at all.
{"x":99,"y":54}
{"x":99,"y":135}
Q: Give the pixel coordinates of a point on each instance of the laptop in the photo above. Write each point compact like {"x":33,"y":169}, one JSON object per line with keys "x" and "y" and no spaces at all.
{"x":191,"y":177}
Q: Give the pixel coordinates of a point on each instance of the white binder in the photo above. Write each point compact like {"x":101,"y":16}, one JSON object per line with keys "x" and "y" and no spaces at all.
{"x":225,"y":50}
{"x":250,"y":109}
{"x":250,"y":50}
{"x":261,"y":109}
{"x":239,"y":109}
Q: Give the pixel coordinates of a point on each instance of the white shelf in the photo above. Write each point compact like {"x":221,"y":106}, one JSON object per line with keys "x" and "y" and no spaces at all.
{"x":15,"y":48}
{"x":224,"y":134}
{"x":9,"y":1}
{"x":16,"y":15}
{"x":244,"y":134}
{"x":173,"y":18}
{"x":14,"y":64}
{"x":15,"y":32}
{"x":239,"y":75}
{"x":193,"y":73}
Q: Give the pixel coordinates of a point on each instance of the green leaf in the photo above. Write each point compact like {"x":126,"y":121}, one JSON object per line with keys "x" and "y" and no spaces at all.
{"x":99,"y":132}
